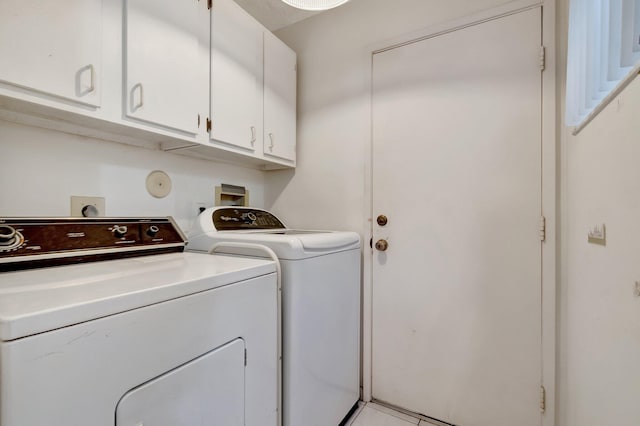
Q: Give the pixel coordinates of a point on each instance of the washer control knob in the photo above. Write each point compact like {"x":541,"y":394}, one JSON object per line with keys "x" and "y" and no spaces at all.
{"x":8,"y":235}
{"x":153,"y":231}
{"x":119,"y":231}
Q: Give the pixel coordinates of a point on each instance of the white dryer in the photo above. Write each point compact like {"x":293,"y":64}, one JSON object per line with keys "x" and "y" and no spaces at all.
{"x":320,"y":307}
{"x":165,"y":339}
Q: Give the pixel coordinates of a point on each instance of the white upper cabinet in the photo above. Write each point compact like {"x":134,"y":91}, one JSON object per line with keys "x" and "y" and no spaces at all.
{"x":165,"y":63}
{"x":52,"y":48}
{"x":279,"y":99}
{"x":170,"y":75}
{"x":236,"y":76}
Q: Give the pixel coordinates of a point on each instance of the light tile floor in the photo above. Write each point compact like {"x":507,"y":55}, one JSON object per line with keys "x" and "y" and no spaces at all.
{"x":371,"y":414}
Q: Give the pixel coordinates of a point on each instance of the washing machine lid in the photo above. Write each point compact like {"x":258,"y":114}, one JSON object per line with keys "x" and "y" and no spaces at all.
{"x":217,"y":225}
{"x":40,"y":300}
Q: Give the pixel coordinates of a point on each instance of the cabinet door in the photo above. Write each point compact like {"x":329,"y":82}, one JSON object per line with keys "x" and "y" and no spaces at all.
{"x":166,"y":55}
{"x":52,"y":47}
{"x":279,"y":99}
{"x":236,"y":76}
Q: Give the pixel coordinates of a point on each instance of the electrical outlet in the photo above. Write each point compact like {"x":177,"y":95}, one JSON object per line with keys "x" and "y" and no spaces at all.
{"x":87,"y":206}
{"x":199,"y":207}
{"x":598,"y":235}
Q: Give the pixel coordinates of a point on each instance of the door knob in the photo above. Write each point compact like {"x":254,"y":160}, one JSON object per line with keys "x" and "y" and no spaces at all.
{"x":382,"y":245}
{"x":382,"y":220}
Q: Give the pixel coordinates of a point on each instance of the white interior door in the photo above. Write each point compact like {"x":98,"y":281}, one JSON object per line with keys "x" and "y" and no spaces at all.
{"x":457,"y":172}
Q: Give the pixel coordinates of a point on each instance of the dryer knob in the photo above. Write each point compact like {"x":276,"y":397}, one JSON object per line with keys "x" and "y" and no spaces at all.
{"x":153,"y":231}
{"x":119,"y":231}
{"x":7,"y":235}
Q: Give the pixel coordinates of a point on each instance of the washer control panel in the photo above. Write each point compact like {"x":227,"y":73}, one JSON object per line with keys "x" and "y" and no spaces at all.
{"x":239,"y":218}
{"x":34,"y":242}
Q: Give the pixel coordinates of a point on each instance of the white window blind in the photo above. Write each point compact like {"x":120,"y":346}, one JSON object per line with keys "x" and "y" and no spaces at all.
{"x":603,"y":55}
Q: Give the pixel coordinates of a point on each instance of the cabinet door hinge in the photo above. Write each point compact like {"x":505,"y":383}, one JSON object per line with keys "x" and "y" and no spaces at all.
{"x":543,"y":58}
{"x":198,"y":121}
{"x":543,"y":399}
{"x":245,"y":357}
{"x":208,"y":125}
{"x":543,"y":228}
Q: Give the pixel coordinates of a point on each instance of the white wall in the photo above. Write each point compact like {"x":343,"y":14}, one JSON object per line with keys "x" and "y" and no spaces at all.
{"x":600,"y":314}
{"x":599,"y":325}
{"x":41,"y":169}
{"x":327,"y":189}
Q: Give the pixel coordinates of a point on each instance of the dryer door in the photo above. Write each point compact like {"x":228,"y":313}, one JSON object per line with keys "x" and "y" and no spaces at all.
{"x":208,"y":390}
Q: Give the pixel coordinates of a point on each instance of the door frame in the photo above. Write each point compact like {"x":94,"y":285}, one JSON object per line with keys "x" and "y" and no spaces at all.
{"x":550,"y":205}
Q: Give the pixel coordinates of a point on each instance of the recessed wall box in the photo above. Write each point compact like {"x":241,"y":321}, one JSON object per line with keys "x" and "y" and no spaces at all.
{"x":231,"y":195}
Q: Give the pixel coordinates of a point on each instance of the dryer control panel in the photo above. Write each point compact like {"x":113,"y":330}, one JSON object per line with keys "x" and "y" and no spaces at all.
{"x":37,"y":242}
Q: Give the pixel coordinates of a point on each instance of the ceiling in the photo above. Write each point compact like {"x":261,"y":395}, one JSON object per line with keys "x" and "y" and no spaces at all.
{"x":274,"y":14}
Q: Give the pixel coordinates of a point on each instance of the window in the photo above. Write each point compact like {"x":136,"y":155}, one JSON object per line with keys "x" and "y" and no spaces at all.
{"x":603,"y":55}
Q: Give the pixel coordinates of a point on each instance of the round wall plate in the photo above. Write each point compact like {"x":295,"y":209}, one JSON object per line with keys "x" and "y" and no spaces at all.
{"x":158,"y":184}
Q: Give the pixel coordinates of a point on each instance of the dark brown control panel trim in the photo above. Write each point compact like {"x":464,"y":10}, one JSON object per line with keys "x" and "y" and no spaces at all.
{"x":38,"y":242}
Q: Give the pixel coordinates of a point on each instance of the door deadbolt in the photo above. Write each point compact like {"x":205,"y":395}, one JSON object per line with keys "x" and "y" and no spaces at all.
{"x":382,"y":220}
{"x":382,"y":245}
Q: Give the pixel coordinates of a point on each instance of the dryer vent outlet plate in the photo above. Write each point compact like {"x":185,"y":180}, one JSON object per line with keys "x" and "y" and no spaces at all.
{"x":158,"y":184}
{"x":87,"y":206}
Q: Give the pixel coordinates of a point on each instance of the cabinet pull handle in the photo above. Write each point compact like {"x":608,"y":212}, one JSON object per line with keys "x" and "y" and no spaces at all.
{"x":253,"y":135}
{"x":81,"y":78}
{"x":272,"y":143}
{"x":141,"y":96}
{"x":134,"y":106}
{"x":93,"y":78}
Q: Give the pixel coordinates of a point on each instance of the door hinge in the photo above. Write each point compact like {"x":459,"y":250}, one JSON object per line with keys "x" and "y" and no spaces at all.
{"x":543,"y":399}
{"x":245,"y":357}
{"x":543,"y":57}
{"x":543,"y":228}
{"x":198,"y":121}
{"x":208,"y":125}
{"x":209,"y":4}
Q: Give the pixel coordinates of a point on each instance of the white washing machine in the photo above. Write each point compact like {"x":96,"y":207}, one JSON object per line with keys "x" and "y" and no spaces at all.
{"x":164,"y":339}
{"x":320,"y":307}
